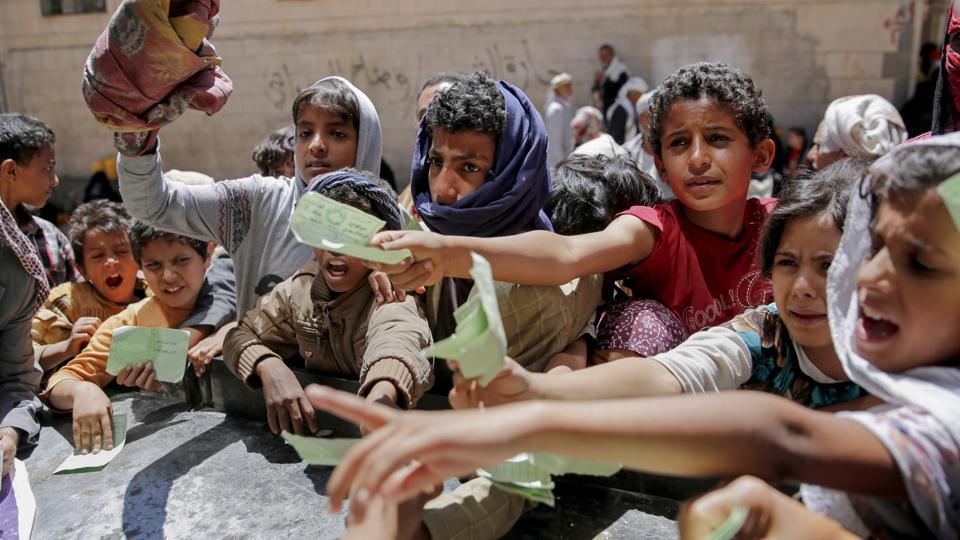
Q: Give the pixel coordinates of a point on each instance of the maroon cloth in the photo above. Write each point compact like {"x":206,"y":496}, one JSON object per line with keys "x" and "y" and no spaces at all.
{"x":150,"y":65}
{"x":704,"y":278}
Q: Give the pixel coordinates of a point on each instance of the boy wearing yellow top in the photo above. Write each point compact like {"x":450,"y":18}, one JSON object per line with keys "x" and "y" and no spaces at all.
{"x":174,"y":268}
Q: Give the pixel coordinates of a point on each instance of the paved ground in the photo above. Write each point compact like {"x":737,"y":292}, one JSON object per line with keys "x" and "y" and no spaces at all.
{"x":203,"y":474}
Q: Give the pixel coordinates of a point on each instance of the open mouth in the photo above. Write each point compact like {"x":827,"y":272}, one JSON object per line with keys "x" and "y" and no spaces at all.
{"x":337,"y":268}
{"x":874,"y":327}
{"x":114,"y":281}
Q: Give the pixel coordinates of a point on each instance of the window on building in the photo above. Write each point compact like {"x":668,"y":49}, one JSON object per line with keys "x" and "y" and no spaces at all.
{"x":67,"y":7}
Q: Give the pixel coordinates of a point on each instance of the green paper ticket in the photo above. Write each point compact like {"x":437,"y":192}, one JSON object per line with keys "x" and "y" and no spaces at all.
{"x":165,"y":348}
{"x":479,"y":342}
{"x":317,"y":451}
{"x":340,"y":228}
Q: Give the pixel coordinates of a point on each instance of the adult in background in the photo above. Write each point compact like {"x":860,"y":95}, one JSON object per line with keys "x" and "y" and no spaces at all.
{"x":861,"y":127}
{"x":557,"y":117}
{"x":613,"y":76}
{"x":622,"y":116}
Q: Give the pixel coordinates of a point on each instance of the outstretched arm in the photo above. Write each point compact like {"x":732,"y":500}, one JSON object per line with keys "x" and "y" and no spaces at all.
{"x":531,"y":258}
{"x":724,"y":434}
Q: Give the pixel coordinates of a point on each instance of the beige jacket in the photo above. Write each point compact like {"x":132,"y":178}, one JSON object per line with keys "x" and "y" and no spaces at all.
{"x":347,"y":335}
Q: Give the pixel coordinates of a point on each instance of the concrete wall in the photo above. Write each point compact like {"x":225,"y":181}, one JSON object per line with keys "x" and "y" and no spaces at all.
{"x":803,"y":53}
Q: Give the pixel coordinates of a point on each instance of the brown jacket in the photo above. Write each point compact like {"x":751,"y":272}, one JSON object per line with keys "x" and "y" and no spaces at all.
{"x":348,"y":335}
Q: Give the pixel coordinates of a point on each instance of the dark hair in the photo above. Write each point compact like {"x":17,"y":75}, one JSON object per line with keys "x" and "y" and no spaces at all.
{"x":918,"y":168}
{"x":142,"y":234}
{"x":590,"y":191}
{"x":274,"y":151}
{"x":100,"y":214}
{"x":347,"y":193}
{"x":330,"y":94}
{"x":451,"y":77}
{"x":474,"y":104}
{"x":827,"y":190}
{"x":22,"y":137}
{"x":798,"y":130}
{"x":608,"y":47}
{"x":729,"y":87}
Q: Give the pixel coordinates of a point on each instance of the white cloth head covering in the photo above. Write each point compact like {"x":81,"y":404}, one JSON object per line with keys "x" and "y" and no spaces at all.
{"x":587,"y":124}
{"x":604,"y":145}
{"x":369,"y":137}
{"x":560,"y":79}
{"x":643,"y":104}
{"x":633,"y":84}
{"x":615,"y":69}
{"x":863,"y":127}
{"x":935,"y":389}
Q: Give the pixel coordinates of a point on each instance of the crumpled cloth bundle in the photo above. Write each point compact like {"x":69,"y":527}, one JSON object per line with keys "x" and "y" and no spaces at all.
{"x":151,"y":63}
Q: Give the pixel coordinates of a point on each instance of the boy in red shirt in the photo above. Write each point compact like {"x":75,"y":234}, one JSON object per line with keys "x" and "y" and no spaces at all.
{"x":692,"y":259}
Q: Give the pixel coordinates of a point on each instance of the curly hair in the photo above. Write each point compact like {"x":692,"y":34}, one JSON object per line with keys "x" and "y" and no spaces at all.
{"x":100,"y":214}
{"x":729,"y":87}
{"x":474,"y":104}
{"x":22,"y":137}
{"x":274,"y":151}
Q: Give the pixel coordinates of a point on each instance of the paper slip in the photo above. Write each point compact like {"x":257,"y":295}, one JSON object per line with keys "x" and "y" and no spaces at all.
{"x":340,"y":228}
{"x":90,"y":462}
{"x":165,"y":348}
{"x":18,"y":506}
{"x":558,"y":465}
{"x":730,"y":526}
{"x":543,"y":496}
{"x":317,"y":451}
{"x":479,"y":342}
{"x":518,"y":471}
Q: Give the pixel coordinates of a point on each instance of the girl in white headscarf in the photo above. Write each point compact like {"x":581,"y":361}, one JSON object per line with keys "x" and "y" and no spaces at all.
{"x":862,"y":127}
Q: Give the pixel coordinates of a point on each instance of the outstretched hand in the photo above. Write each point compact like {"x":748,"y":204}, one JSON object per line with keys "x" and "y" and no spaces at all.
{"x":424,"y":269}
{"x":443,"y":443}
{"x":513,"y":383}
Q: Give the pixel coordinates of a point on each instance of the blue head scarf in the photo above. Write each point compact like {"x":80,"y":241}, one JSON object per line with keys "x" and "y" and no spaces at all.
{"x":512,"y":199}
{"x":383,"y":202}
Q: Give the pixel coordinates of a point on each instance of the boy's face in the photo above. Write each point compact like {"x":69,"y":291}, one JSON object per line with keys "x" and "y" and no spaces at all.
{"x":341,"y":273}
{"x":799,"y":276}
{"x":33,"y":183}
{"x":174,"y":271}
{"x":108,"y":264}
{"x":326,"y":142}
{"x":910,"y":288}
{"x":706,"y":157}
{"x":459,"y":163}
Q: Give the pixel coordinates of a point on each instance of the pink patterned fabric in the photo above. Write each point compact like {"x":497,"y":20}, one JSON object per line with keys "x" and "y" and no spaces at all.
{"x":25,"y":251}
{"x":151,"y":63}
{"x":645,"y":327}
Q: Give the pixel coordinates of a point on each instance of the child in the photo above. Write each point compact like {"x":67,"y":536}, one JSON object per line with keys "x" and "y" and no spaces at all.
{"x":27,"y":177}
{"x":327,"y":313}
{"x":895,"y":307}
{"x":174,"y":268}
{"x":73,"y":311}
{"x":337,"y":126}
{"x":274,"y":154}
{"x":24,"y":285}
{"x":691,"y":260}
{"x":784,"y":348}
{"x":589,"y":193}
{"x":479,"y":170}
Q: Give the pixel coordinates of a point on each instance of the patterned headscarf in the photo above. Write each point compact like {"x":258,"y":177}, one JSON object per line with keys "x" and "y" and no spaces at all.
{"x":25,"y":251}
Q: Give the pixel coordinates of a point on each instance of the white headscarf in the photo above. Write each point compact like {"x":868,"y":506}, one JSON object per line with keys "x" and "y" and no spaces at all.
{"x":369,"y":137}
{"x":614,"y":70}
{"x":633,"y":84}
{"x":863,"y":127}
{"x":935,"y":389}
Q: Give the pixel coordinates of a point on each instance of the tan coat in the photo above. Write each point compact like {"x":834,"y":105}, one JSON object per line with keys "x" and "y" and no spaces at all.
{"x":348,"y":335}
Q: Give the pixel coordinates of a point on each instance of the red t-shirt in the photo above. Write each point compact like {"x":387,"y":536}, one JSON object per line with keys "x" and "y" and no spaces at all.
{"x":704,"y":278}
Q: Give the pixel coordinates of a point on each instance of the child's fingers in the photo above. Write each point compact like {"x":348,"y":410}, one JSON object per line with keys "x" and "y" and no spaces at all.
{"x":385,"y":237}
{"x":349,"y":407}
{"x":123,"y":374}
{"x":77,"y":434}
{"x":345,"y":474}
{"x":107,"y":430}
{"x":409,"y":481}
{"x":283,"y":419}
{"x":296,"y":420}
{"x":152,"y":383}
{"x":309,"y":414}
{"x":143,"y":378}
{"x":272,"y":419}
